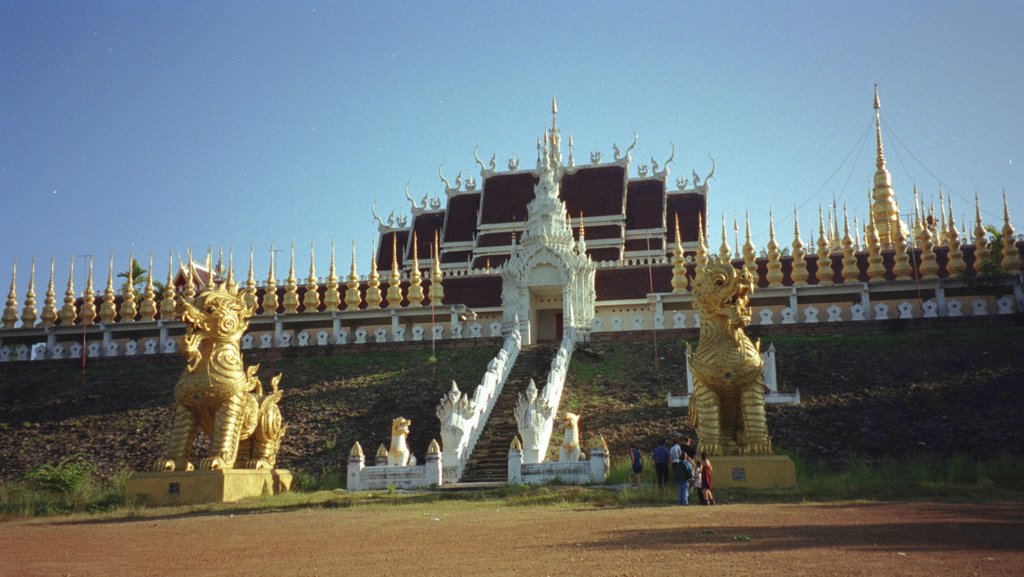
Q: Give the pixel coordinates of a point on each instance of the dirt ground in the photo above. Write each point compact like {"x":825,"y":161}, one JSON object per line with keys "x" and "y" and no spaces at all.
{"x":460,"y":538}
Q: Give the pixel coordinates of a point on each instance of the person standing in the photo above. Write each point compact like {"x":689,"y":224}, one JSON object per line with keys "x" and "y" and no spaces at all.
{"x":684,"y":474}
{"x":697,"y":483}
{"x":689,"y":449}
{"x":705,"y":479}
{"x":636,"y":465}
{"x":660,"y":458}
{"x":674,"y":454}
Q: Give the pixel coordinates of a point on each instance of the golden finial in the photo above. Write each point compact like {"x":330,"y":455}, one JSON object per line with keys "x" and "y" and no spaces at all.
{"x":394,"y":293}
{"x":270,"y":288}
{"x":749,"y":252}
{"x":856,"y":234}
{"x":147,"y":308}
{"x":724,"y":251}
{"x":190,"y":279}
{"x":702,"y":247}
{"x":87,"y":310}
{"x":943,"y":233}
{"x":918,"y":221}
{"x":49,"y":314}
{"x":799,"y":273}
{"x":108,"y":309}
{"x":880,"y":158}
{"x":332,"y":298}
{"x":311,"y":300}
{"x":291,"y":295}
{"x":108,"y":312}
{"x":876,"y":268}
{"x":415,"y":292}
{"x":10,"y":316}
{"x":436,"y":292}
{"x":981,"y":248}
{"x":824,"y":272}
{"x":927,"y":267}
{"x":128,"y":310}
{"x":168,"y":304}
{"x":67,"y":312}
{"x":1010,"y":262}
{"x":678,"y":262}
{"x":955,"y":264}
{"x":901,"y":259}
{"x":774,"y":275}
{"x":209,"y":266}
{"x":231,"y":285}
{"x":249,"y":293}
{"x":352,"y":297}
{"x":373,"y":295}
{"x":850,"y":271}
{"x":28,"y":314}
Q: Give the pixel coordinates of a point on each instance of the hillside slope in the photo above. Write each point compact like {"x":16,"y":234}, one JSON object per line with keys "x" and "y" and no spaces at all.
{"x":868,"y":395}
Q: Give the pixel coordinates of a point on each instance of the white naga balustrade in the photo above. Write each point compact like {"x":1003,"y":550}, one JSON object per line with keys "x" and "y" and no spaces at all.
{"x":536,"y":432}
{"x":463,"y":418}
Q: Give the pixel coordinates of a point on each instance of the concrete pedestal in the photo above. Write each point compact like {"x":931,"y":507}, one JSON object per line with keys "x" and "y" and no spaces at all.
{"x":180,"y":488}
{"x":769,"y":472}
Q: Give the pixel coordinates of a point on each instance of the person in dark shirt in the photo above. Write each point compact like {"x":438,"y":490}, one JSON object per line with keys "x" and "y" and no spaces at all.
{"x":660,"y":458}
{"x":689,"y":449}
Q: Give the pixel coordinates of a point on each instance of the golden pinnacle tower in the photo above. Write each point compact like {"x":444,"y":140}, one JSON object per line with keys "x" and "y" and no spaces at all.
{"x":883,"y":207}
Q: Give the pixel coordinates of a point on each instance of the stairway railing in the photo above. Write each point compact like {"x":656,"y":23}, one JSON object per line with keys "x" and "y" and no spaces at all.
{"x":463,"y":417}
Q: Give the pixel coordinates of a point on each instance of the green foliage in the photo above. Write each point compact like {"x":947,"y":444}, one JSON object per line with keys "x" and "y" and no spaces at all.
{"x":72,"y":485}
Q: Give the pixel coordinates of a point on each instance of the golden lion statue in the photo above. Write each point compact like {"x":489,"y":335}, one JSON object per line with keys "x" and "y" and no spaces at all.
{"x":399,"y":455}
{"x":218,"y":395}
{"x":727,"y":405}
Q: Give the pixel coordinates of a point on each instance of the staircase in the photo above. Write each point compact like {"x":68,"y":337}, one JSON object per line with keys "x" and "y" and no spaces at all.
{"x":489,"y":461}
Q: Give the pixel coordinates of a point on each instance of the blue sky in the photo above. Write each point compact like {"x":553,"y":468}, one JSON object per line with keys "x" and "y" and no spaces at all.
{"x":164,"y":125}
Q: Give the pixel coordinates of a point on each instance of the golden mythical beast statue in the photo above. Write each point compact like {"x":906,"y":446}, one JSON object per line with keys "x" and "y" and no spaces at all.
{"x":727,"y":405}
{"x":218,"y":395}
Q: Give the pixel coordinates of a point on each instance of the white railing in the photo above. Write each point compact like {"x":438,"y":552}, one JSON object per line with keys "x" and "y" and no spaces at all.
{"x":463,"y":418}
{"x":538,"y":436}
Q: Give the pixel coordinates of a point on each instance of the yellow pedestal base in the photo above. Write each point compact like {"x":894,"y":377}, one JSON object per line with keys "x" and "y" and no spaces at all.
{"x":770,"y":472}
{"x":180,"y":488}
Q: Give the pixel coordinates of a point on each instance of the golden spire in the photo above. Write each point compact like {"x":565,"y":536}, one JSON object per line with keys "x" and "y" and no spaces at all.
{"x":232,"y":286}
{"x":311,"y":300}
{"x":168,"y":303}
{"x":128,"y":309}
{"x":918,"y":221}
{"x":49,"y":314}
{"x":678,"y":262}
{"x":884,"y":206}
{"x":10,"y":316}
{"x":190,"y":280}
{"x":352,"y":296}
{"x":87,"y":310}
{"x":724,"y":251}
{"x":249,"y":294}
{"x":28,"y":314}
{"x":394,"y":294}
{"x":901,"y":260}
{"x":415,"y":291}
{"x":702,"y":246}
{"x":876,"y":268}
{"x":373,"y":296}
{"x":1010,"y":262}
{"x":749,"y":253}
{"x":147,"y":308}
{"x":955,"y":264}
{"x":332,"y":298}
{"x":108,"y":312}
{"x":291,"y":295}
{"x":799,"y":273}
{"x":823,"y":272}
{"x":850,"y":271}
{"x":880,"y":156}
{"x":67,"y":312}
{"x":774,"y":276}
{"x":270,"y":288}
{"x":981,"y":248}
{"x":927,"y":268}
{"x":943,"y":233}
{"x":436,"y":292}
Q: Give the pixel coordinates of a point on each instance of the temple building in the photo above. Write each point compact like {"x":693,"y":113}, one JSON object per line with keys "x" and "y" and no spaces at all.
{"x":597,"y":247}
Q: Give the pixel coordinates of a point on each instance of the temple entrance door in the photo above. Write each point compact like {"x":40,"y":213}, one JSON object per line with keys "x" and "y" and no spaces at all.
{"x":545,"y":314}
